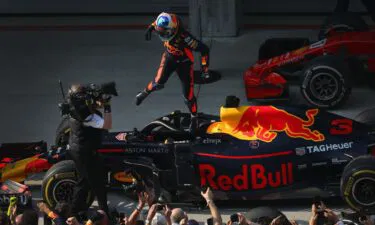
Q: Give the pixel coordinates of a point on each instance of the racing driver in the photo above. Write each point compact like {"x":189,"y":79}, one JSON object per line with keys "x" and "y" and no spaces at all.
{"x":178,"y":57}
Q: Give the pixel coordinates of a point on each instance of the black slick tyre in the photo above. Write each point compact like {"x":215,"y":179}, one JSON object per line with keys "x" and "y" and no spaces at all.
{"x":325,"y":82}
{"x":58,"y":184}
{"x":358,"y":184}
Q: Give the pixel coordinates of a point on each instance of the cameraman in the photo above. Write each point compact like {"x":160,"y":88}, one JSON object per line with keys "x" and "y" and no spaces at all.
{"x":87,"y":125}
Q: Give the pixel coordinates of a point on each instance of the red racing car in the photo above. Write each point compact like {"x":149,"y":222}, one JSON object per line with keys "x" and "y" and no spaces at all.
{"x":325,"y":70}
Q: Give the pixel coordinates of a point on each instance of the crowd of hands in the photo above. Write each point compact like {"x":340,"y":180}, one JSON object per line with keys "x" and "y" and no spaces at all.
{"x":160,"y":214}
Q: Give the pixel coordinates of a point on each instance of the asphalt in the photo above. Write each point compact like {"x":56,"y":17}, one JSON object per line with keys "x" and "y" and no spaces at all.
{"x":33,"y":62}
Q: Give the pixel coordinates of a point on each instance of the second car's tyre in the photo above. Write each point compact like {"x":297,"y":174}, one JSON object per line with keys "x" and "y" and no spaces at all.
{"x":325,"y":82}
{"x":342,"y":22}
{"x":58,"y":184}
{"x":358,"y":184}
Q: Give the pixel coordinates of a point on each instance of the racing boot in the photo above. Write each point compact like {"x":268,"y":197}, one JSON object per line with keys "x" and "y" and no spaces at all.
{"x":140,"y":97}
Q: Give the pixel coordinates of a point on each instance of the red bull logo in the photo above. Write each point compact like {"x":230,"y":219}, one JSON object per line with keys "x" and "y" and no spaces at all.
{"x":264,"y":123}
{"x":254,"y":176}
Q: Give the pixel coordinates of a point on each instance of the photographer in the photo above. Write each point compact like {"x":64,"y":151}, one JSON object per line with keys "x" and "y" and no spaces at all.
{"x":87,"y":125}
{"x":321,"y":215}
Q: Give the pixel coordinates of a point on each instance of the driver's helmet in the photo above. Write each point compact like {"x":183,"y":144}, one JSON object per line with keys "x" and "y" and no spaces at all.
{"x":166,"y":26}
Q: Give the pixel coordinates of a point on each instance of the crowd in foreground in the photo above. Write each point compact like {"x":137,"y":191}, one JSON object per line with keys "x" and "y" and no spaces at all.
{"x":159,"y":214}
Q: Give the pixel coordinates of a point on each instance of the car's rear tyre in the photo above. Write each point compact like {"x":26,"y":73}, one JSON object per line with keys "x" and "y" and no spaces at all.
{"x":325,"y":82}
{"x":358,"y":184}
{"x":342,"y":22}
{"x":58,"y":184}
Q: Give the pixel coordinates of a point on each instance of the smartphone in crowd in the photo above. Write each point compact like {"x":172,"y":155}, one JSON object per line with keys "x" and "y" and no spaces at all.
{"x":234,"y":219}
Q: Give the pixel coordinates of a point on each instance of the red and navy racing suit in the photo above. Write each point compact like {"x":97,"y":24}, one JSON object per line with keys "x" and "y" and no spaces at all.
{"x":178,"y":57}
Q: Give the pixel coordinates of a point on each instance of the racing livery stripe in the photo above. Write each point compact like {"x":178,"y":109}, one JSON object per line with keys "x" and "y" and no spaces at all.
{"x":110,"y":150}
{"x":245,"y":156}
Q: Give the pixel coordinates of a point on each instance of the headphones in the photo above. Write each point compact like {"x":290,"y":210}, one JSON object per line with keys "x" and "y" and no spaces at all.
{"x":78,"y":94}
{"x":78,"y":99}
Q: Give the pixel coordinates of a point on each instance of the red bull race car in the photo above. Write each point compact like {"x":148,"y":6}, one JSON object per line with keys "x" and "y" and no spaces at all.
{"x":325,"y":70}
{"x":17,"y":162}
{"x":247,"y":152}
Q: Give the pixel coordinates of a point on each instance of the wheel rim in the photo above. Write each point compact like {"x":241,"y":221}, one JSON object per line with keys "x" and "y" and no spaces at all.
{"x":63,"y":190}
{"x":363,"y":191}
{"x":324,"y":86}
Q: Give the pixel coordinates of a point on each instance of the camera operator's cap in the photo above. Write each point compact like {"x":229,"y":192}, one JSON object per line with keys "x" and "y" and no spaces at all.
{"x":159,"y":219}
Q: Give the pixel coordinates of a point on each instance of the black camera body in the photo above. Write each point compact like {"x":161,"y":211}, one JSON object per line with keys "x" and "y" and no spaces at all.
{"x":87,"y":97}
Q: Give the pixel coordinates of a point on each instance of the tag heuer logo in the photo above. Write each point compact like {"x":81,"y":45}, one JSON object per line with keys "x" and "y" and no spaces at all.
{"x":300,"y":151}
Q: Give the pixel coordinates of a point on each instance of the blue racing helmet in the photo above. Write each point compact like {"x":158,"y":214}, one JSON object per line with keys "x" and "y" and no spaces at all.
{"x":166,"y":26}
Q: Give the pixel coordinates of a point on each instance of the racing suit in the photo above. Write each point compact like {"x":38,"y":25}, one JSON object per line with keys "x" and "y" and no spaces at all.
{"x":343,"y":6}
{"x":85,"y":139}
{"x":178,"y":57}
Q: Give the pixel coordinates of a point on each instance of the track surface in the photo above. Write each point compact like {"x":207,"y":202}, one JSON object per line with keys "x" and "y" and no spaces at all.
{"x":33,"y":62}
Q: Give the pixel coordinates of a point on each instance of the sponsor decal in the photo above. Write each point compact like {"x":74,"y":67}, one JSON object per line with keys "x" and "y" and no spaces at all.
{"x":300,"y":50}
{"x":250,"y":177}
{"x":161,"y":150}
{"x":336,"y":161}
{"x":264,"y":123}
{"x":300,"y":151}
{"x":121,"y":137}
{"x":319,"y":164}
{"x":323,"y":148}
{"x":341,"y":127}
{"x":318,"y":44}
{"x":329,"y":147}
{"x":302,"y":166}
{"x":291,"y":60}
{"x":211,"y":141}
{"x":254,"y":144}
{"x":22,"y":199}
{"x":123,"y":177}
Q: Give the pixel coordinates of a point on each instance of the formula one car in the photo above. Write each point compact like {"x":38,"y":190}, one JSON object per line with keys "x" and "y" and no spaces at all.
{"x":325,"y":70}
{"x":248,"y":152}
{"x":20,"y":160}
